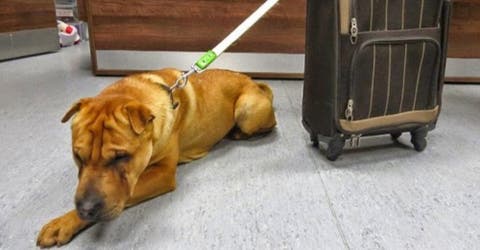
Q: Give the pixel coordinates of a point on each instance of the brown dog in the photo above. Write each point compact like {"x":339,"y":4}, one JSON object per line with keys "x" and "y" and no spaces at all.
{"x":128,"y":140}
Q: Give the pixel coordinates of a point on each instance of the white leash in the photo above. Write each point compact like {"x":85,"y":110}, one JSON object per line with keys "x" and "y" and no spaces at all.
{"x":210,"y":56}
{"x":243,"y":27}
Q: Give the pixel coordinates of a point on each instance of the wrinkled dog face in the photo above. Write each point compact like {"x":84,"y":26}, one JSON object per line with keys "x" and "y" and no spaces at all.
{"x":111,"y":144}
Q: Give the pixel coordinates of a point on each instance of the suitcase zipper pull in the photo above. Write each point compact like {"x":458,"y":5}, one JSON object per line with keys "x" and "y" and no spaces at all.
{"x":349,"y":110}
{"x":353,"y":31}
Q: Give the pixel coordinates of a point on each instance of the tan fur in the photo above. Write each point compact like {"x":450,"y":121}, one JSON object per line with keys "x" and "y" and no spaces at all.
{"x":128,"y":140}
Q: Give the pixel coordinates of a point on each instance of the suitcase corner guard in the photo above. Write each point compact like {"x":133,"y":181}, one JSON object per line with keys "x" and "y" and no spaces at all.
{"x":411,"y":117}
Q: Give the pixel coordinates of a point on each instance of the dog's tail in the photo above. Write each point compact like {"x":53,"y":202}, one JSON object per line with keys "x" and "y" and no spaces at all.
{"x":266,"y":90}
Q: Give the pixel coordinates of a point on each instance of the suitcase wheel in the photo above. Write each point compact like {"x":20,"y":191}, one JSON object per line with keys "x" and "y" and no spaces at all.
{"x":419,"y":140}
{"x":335,"y":147}
{"x":395,"y":136}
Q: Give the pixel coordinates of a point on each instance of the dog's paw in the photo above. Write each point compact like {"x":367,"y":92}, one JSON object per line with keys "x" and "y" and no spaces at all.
{"x":60,"y":230}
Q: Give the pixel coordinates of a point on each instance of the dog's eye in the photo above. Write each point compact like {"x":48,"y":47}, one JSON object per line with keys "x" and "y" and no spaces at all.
{"x":120,"y":157}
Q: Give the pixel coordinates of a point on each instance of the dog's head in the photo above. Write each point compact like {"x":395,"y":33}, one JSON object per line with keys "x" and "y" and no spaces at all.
{"x":112,"y":145}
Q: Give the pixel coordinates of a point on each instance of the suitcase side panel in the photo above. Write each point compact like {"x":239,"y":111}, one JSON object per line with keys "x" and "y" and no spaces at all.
{"x":445,"y":22}
{"x":321,"y":68}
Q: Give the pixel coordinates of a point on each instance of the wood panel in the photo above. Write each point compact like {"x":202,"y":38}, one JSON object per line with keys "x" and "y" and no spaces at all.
{"x":82,"y":10}
{"x":198,"y":25}
{"x":18,"y":15}
{"x":195,"y":25}
{"x":464,"y":40}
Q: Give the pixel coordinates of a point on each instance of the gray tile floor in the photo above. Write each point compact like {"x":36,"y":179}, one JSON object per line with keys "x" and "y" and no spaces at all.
{"x":273,"y":193}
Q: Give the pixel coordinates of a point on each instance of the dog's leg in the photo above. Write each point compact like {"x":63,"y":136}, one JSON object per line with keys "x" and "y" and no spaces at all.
{"x":156,"y":180}
{"x":60,"y":231}
{"x":253,"y":115}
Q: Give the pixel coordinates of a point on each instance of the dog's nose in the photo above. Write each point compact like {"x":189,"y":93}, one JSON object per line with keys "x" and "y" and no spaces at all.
{"x":90,"y":207}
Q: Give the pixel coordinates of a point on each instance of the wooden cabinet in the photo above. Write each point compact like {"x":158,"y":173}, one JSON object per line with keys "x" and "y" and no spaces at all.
{"x":464,"y":42}
{"x":27,"y":27}
{"x":464,"y":39}
{"x":128,"y":36}
{"x":195,"y":25}
{"x":127,"y":29}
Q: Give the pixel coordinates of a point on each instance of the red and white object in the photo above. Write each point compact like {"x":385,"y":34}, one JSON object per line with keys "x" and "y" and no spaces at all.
{"x":68,"y":34}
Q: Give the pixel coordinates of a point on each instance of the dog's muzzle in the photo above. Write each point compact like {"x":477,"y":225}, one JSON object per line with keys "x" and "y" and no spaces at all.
{"x":90,"y":207}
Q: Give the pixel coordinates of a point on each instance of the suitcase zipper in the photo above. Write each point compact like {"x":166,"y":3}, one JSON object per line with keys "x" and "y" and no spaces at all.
{"x":349,"y":110}
{"x":354,"y":138}
{"x":353,"y":31}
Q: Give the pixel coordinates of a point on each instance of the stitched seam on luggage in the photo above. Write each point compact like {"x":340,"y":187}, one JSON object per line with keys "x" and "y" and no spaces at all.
{"x":421,"y":15}
{"x":372,"y":85}
{"x":371,"y":15}
{"x":389,"y":78}
{"x":386,"y":15}
{"x":404,"y":59}
{"x":389,"y":61}
{"x":418,"y":76}
{"x":373,"y":63}
{"x":404,"y":74}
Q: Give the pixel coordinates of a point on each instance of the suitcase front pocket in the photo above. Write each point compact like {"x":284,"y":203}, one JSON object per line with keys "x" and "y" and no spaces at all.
{"x":390,"y":77}
{"x":381,"y":15}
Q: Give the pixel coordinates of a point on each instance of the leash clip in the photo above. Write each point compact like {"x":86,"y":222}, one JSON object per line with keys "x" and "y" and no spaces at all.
{"x":181,"y":82}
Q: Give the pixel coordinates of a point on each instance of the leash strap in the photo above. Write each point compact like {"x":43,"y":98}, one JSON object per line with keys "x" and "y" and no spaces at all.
{"x":210,"y":56}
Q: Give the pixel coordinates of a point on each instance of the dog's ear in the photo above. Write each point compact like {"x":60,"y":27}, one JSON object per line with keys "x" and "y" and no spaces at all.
{"x":74,"y":109}
{"x":139,"y":116}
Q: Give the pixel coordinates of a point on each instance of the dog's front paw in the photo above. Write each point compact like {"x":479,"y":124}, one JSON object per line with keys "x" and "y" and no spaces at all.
{"x":60,"y":230}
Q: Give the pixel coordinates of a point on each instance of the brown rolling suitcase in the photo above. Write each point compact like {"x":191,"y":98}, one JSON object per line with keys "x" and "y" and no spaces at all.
{"x":373,"y":67}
